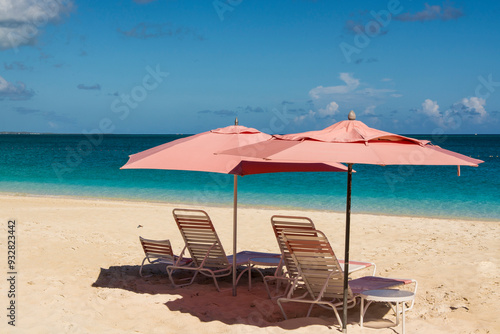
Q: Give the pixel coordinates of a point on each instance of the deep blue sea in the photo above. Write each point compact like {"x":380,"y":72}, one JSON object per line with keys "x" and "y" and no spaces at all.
{"x":75,"y":165}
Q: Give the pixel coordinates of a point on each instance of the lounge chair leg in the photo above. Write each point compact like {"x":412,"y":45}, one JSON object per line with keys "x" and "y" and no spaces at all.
{"x":249,"y":277}
{"x":142,"y":265}
{"x":287,"y":289}
{"x":216,"y":284}
{"x":281,"y":308}
{"x":361,"y":313}
{"x":170,"y":271}
{"x":267,"y":288}
{"x":278,"y":286}
{"x":397,"y":313}
{"x":337,"y":316}
{"x":194,"y":276}
{"x":309,"y":311}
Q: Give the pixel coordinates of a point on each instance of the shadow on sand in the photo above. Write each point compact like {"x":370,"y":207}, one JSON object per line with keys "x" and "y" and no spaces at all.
{"x":252,"y":308}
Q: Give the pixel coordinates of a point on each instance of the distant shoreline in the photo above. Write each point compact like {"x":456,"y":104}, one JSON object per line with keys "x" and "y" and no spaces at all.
{"x":190,"y":134}
{"x":240,"y":205}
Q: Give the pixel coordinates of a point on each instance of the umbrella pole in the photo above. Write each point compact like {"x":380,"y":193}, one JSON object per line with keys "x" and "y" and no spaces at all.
{"x":235,"y":221}
{"x":346,"y":251}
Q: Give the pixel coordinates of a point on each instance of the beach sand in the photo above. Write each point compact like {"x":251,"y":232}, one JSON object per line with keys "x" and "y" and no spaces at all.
{"x":78,"y":260}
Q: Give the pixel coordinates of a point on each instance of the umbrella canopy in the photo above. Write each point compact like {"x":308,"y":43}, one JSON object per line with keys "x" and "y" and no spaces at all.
{"x":197,"y":153}
{"x":353,"y":142}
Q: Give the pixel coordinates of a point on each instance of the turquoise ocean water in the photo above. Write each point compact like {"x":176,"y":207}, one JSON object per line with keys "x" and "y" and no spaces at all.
{"x":76,"y":165}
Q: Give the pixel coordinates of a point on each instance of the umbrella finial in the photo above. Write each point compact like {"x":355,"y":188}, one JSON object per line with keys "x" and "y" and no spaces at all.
{"x":351,"y":116}
{"x":236,"y":121}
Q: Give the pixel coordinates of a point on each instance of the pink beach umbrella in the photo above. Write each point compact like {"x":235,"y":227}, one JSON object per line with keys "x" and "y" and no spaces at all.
{"x":197,"y":153}
{"x":353,"y":142}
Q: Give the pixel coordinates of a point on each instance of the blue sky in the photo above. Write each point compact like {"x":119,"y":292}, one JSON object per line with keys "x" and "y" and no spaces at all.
{"x":186,"y":66}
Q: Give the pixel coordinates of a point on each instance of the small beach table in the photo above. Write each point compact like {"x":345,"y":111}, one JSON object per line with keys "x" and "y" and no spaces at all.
{"x":263,"y":259}
{"x":357,"y":265}
{"x":387,"y":296}
{"x":268,"y":260}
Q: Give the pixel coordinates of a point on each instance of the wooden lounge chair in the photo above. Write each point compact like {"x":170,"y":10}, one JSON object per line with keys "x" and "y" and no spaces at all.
{"x":158,"y":252}
{"x":280,"y":223}
{"x":203,"y":244}
{"x":321,"y":274}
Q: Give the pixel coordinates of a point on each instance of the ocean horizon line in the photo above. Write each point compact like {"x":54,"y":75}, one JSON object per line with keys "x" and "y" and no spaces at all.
{"x":191,"y":134}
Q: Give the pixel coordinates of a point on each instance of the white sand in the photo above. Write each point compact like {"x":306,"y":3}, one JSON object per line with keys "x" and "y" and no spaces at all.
{"x":78,"y":262}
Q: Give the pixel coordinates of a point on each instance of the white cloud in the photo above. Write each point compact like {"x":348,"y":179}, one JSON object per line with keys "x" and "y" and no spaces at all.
{"x":328,"y":111}
{"x":369,"y":111}
{"x":331,"y":109}
{"x":474,"y":105}
{"x":460,"y":113}
{"x":370,"y":117}
{"x":302,"y":118}
{"x":21,"y":20}
{"x":354,"y":94}
{"x":349,"y":80}
{"x":351,"y":84}
{"x":432,"y":13}
{"x":431,"y":108}
{"x":14,"y":92}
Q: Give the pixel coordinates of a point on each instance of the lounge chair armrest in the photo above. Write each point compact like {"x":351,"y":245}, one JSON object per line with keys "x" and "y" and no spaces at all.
{"x":279,"y":268}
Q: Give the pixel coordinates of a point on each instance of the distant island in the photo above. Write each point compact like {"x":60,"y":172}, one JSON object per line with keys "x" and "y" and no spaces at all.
{"x":20,"y":133}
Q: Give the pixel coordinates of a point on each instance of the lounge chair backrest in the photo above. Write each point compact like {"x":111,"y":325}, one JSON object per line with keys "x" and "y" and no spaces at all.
{"x":157,"y":249}
{"x":281,"y":223}
{"x":200,"y":236}
{"x":316,"y":263}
